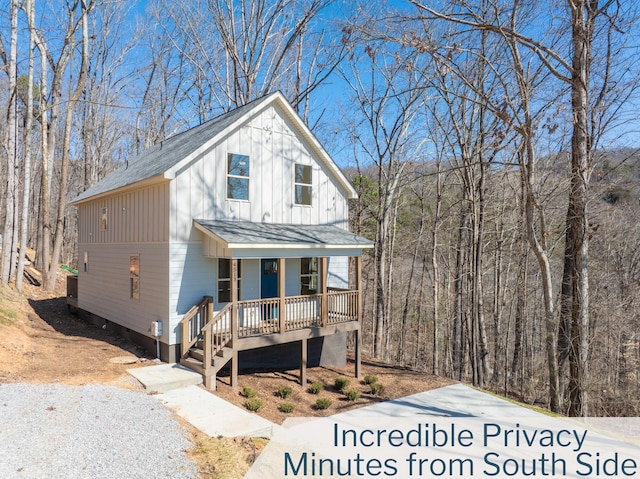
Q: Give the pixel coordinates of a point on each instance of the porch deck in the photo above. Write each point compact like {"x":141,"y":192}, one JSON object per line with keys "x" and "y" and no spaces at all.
{"x":211,"y":338}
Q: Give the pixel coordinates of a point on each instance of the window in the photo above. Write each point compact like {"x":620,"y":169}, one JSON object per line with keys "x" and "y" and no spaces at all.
{"x":134,"y":276}
{"x":303,"y":184}
{"x":308,"y":275}
{"x":224,"y":280}
{"x":103,"y":219}
{"x":86,"y":261}
{"x":270,"y":266}
{"x":237,"y":177}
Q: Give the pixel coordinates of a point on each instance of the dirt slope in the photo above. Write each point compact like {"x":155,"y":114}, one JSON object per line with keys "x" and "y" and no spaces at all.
{"x":42,"y":343}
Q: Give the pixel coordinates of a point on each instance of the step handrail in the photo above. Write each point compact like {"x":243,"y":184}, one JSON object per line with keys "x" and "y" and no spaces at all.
{"x":191,"y":333}
{"x":216,"y":338}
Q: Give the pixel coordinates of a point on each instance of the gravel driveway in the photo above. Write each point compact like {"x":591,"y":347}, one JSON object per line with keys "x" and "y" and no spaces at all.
{"x":93,"y":431}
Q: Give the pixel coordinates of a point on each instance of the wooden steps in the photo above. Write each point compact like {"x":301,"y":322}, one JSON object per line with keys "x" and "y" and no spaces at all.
{"x":195,"y":361}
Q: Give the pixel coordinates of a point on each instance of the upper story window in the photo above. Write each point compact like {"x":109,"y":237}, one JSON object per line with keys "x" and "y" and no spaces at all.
{"x":237,"y":177}
{"x":303,"y":184}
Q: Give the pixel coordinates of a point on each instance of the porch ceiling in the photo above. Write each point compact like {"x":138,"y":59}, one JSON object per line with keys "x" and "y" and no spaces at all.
{"x":246,"y":236}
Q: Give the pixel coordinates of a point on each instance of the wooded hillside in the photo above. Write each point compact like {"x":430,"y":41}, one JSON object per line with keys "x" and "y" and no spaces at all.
{"x":480,"y":319}
{"x":492,"y":143}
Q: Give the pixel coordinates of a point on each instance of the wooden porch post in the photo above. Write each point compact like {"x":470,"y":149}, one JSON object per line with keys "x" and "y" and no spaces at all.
{"x":234,"y":368}
{"x":234,"y":322}
{"x":303,"y":362}
{"x":324,"y":313}
{"x":282,"y":305}
{"x":358,"y":338}
{"x":209,"y":309}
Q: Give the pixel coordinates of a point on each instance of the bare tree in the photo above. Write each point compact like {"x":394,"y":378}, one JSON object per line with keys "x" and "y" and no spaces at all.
{"x":103,"y":112}
{"x":574,"y":70}
{"x":388,"y":95}
{"x":75,"y":94}
{"x":237,"y":51}
{"x":7,"y":263}
{"x":26,"y":194}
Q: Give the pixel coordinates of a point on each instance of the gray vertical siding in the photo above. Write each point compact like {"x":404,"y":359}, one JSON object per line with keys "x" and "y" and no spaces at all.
{"x":137,"y":216}
{"x":104,"y":289}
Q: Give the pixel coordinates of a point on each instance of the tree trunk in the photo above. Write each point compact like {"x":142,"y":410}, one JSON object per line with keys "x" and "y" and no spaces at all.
{"x":459,"y":276}
{"x":7,"y":261}
{"x":401,"y":355}
{"x":436,"y":272}
{"x":24,"y":227}
{"x":50,"y":280}
{"x":582,"y":33}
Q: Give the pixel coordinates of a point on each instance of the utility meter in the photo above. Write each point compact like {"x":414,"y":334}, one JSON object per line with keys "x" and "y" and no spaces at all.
{"x":156,"y":328}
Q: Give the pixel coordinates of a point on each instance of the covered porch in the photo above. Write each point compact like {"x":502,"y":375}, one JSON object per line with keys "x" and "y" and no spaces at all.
{"x":214,"y":332}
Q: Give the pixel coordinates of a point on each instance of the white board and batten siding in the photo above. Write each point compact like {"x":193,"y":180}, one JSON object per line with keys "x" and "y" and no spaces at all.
{"x":137,"y":223}
{"x":338,"y":272}
{"x":199,"y":192}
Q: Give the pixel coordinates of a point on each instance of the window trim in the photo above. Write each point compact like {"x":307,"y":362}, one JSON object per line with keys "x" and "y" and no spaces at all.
{"x":299,"y":184}
{"x":134,"y":276}
{"x":309,"y":274}
{"x":227,"y":279}
{"x":103,"y":218}
{"x":239,"y":177}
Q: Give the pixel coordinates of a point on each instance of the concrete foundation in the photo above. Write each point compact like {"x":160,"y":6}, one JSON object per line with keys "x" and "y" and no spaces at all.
{"x":322,"y":351}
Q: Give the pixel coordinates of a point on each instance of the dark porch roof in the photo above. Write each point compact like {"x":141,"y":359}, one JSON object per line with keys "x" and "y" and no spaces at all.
{"x":248,"y":235}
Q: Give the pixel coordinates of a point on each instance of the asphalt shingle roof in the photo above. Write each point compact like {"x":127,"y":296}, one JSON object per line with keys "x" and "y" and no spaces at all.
{"x":162,"y":156}
{"x":246,"y":233}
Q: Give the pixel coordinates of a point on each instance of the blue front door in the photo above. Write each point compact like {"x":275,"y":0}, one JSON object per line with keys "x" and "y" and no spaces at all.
{"x":269,"y":286}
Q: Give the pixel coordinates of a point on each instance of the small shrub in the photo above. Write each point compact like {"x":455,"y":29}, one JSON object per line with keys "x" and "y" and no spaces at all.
{"x":352,"y":394}
{"x":248,"y":392}
{"x":284,"y":392}
{"x":322,"y":403}
{"x":253,"y":404}
{"x":315,"y":388}
{"x":341,"y":383}
{"x":376,"y":388}
{"x":286,"y":407}
{"x":369,"y":379}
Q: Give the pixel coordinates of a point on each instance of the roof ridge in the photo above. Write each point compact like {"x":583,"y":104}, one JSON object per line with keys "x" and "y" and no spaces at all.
{"x":215,"y":119}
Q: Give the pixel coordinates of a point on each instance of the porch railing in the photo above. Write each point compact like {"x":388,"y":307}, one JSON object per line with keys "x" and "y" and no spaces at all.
{"x":264,"y":316}
{"x":342,"y":306}
{"x":303,"y":311}
{"x":258,"y":317}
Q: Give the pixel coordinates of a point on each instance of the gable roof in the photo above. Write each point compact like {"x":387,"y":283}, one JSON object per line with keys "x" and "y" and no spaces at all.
{"x":161,"y":161}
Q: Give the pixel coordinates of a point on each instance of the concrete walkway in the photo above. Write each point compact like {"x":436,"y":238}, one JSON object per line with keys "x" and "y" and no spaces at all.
{"x":450,"y":401}
{"x":165,"y":377}
{"x":178,"y":389}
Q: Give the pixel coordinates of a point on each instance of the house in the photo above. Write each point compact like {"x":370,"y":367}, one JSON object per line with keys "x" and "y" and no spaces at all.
{"x":227,"y":243}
